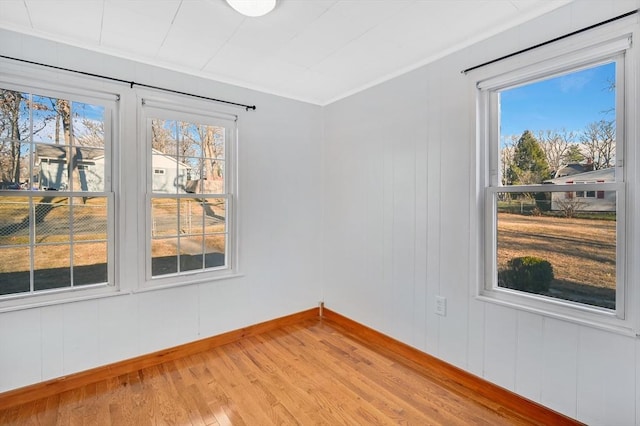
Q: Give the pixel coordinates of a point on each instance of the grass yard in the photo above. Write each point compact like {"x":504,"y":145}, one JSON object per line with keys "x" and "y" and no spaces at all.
{"x":196,"y":226}
{"x":581,"y":251}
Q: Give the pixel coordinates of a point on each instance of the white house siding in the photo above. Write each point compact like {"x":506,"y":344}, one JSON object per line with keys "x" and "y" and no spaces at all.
{"x":54,"y":175}
{"x":583,"y":203}
{"x":169,"y":176}
{"x":399,"y":215}
{"x":586,"y":201}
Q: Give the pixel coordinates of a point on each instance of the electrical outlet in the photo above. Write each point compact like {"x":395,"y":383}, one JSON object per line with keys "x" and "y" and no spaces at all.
{"x":441,"y":305}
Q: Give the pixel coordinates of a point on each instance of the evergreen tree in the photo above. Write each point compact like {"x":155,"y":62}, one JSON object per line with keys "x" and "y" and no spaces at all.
{"x":574,"y":155}
{"x":530,"y":164}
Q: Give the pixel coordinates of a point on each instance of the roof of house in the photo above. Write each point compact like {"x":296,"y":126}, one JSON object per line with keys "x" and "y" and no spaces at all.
{"x":573,"y":168}
{"x":60,"y":152}
{"x":603,"y":175}
{"x":173,"y":159}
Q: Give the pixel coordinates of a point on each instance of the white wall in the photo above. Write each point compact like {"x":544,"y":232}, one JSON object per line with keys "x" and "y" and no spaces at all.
{"x":280,"y":180}
{"x":398,"y":232}
{"x":374,"y":218}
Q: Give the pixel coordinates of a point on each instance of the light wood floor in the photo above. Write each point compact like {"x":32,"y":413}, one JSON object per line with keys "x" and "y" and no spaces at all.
{"x":310,"y":373}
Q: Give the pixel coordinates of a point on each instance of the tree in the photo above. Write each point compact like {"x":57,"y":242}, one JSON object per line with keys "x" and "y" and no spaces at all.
{"x":163,"y":136}
{"x":574,"y":155}
{"x":506,"y":158}
{"x":570,"y":206}
{"x":10,"y":132}
{"x":530,"y":164}
{"x":599,"y":143}
{"x":212,"y":149}
{"x":93,"y":134}
{"x":556,"y":145}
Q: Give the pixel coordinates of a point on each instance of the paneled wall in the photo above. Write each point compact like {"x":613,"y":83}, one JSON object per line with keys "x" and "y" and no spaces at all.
{"x":280,"y":183}
{"x":365,"y":203}
{"x":399,"y":221}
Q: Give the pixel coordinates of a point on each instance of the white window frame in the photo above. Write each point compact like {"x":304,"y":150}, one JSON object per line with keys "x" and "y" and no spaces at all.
{"x":44,"y":83}
{"x":563,"y":57}
{"x":151,"y":106}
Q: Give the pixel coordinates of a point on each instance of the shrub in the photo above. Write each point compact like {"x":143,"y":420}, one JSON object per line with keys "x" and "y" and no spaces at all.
{"x":528,"y":273}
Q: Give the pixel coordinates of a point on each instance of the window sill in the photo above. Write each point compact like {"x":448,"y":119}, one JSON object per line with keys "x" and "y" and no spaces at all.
{"x":584,"y":315}
{"x":184,"y":281}
{"x":49,"y":299}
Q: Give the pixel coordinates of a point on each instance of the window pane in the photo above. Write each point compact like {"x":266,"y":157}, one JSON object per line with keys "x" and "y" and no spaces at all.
{"x":14,"y":270}
{"x":90,"y":218}
{"x":52,"y":165}
{"x":214,"y":148}
{"x":15,"y":109}
{"x":89,"y":263}
{"x":193,"y":174}
{"x":51,"y":120}
{"x":191,"y":253}
{"x":169,"y":176}
{"x":87,"y":171}
{"x":164,"y":256}
{"x":191,"y":216}
{"x":214,"y":215}
{"x":201,"y":140}
{"x":213,"y":172}
{"x":163,"y":137}
{"x":561,"y":126}
{"x":578,"y":242}
{"x":88,"y":125}
{"x":14,"y":221}
{"x":52,"y":266}
{"x":51,"y":219}
{"x":215,"y":250}
{"x":14,"y":165}
{"x":190,"y":139}
{"x":164,"y":217}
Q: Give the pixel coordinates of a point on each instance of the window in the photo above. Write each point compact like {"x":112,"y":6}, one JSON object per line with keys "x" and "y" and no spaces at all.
{"x":56,"y":204}
{"x":586,"y":194}
{"x":190,"y":192}
{"x":552,"y":137}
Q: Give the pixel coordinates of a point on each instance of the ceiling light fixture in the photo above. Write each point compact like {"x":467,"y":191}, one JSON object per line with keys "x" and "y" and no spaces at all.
{"x":252,"y":8}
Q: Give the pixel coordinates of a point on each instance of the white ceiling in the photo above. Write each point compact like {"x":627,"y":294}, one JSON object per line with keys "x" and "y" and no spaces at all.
{"x":312,"y":50}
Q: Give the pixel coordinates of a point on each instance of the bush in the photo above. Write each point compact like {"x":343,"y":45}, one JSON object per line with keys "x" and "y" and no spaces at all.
{"x":528,"y":273}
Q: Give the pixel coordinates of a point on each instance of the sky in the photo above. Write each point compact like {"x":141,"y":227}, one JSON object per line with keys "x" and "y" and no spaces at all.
{"x":44,"y":118}
{"x":566,"y":102}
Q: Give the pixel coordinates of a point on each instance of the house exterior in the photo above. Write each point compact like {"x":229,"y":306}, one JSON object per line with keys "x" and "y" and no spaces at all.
{"x":53,"y":174}
{"x":600,"y":201}
{"x":169,"y":175}
{"x":573,"y":169}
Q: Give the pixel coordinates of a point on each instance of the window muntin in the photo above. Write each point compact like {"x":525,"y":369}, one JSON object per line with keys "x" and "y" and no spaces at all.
{"x":55,"y":200}
{"x":190,"y":203}
{"x":552,"y":209}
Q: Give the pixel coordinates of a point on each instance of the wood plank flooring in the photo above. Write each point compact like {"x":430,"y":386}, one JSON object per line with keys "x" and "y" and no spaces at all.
{"x":310,"y":373}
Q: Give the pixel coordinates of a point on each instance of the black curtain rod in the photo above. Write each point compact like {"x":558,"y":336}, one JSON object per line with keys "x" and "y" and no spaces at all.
{"x":590,"y":27}
{"x":131,"y":83}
